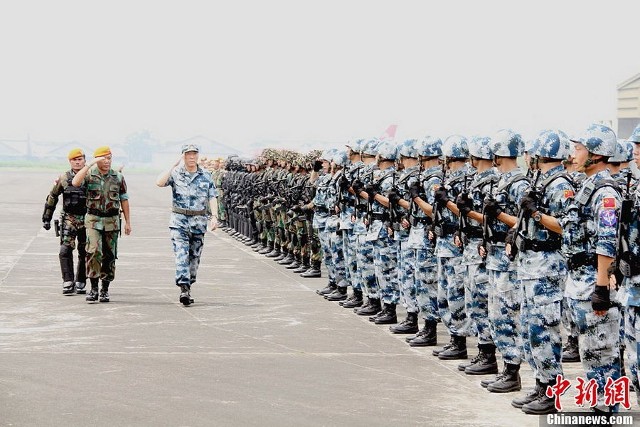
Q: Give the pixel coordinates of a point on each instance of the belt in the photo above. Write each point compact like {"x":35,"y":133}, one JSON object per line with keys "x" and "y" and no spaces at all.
{"x":498,"y":237}
{"x":473,"y":233}
{"x":444,"y":230}
{"x":110,"y":212}
{"x":188,"y":212}
{"x":580,"y":259}
{"x":321,"y":209}
{"x":542,"y":245}
{"x":379,"y":216}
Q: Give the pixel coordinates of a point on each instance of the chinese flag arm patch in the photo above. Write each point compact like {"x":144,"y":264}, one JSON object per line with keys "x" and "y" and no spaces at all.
{"x":568,"y":194}
{"x":609,"y":203}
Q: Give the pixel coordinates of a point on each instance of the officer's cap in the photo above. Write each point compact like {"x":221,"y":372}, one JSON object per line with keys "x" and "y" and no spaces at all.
{"x":190,"y":147}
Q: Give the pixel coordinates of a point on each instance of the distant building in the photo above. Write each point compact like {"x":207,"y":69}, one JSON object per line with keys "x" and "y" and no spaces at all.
{"x":628,"y":106}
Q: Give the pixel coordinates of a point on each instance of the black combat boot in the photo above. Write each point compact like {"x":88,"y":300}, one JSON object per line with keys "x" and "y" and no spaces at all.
{"x":267,"y":249}
{"x":282,"y":255}
{"x":331,"y":286}
{"x":387,"y":316}
{"x":457,"y":351}
{"x":437,"y":351}
{"x":296,"y":262}
{"x":274,"y":253}
{"x":80,"y":287}
{"x":289,"y":259}
{"x":304,"y":266}
{"x":427,"y":336}
{"x":571,"y":352}
{"x":372,"y":307}
{"x":519,"y":402}
{"x":185,"y":297}
{"x":486,"y":363}
{"x":507,"y":381}
{"x":407,"y":326}
{"x":339,"y":294}
{"x":474,"y":360}
{"x":355,"y":300}
{"x":542,"y":404}
{"x":92,"y":296}
{"x":68,"y":288}
{"x":313,"y":271}
{"x":104,"y":292}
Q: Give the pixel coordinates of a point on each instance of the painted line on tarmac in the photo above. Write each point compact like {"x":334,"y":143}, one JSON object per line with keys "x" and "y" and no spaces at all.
{"x":20,"y":253}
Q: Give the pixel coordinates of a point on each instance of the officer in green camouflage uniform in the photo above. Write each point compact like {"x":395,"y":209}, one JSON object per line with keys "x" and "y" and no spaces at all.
{"x":106,"y":197}
{"x":74,"y":206}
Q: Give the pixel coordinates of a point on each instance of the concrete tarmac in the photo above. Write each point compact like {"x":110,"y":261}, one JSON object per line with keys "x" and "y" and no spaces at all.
{"x":258,"y":347}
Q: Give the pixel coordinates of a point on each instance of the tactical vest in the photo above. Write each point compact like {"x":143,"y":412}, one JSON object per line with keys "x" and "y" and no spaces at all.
{"x":74,"y":199}
{"x":415,"y":213}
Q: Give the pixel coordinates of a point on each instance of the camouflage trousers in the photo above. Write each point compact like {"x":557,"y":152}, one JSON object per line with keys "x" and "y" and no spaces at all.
{"x":426,"y":282}
{"x":476,"y":296}
{"x":325,"y":243}
{"x":350,"y":262}
{"x":567,"y":320}
{"x":407,"y":276}
{"x":541,"y":314}
{"x":336,"y":251}
{"x":222,"y":210}
{"x":504,"y":313}
{"x":187,"y":248}
{"x":102,"y":251}
{"x":632,"y":338}
{"x":72,"y":229}
{"x":385,"y":261}
{"x":451,"y":296}
{"x":365,"y":266}
{"x":599,"y":343}
{"x":315,"y":247}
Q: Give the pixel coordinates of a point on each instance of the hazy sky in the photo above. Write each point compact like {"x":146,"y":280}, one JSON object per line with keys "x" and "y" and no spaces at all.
{"x":243,"y":72}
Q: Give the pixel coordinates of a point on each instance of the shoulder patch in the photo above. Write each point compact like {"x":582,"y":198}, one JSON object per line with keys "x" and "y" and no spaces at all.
{"x":609,"y":203}
{"x":608,"y":218}
{"x":568,"y":194}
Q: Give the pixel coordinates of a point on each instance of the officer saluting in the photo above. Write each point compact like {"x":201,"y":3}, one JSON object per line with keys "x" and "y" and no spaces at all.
{"x":74,"y":200}
{"x":194,"y":202}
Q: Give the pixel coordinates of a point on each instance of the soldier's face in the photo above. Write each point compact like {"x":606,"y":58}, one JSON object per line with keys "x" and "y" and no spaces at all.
{"x":580,"y":157}
{"x":105,"y":164}
{"x":191,"y":159}
{"x":77,"y":163}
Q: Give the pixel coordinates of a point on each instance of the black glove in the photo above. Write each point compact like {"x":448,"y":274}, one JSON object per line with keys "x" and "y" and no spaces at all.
{"x":317,"y":165}
{"x":393,"y":197}
{"x":46,"y":225}
{"x":491,"y":208}
{"x":415,"y":190}
{"x":344,"y":183}
{"x":600,"y":299}
{"x":357,"y":186}
{"x":511,"y":240}
{"x":613,"y":270}
{"x":528,"y":205}
{"x":371,"y":191}
{"x":464,"y":204}
{"x":441,"y":196}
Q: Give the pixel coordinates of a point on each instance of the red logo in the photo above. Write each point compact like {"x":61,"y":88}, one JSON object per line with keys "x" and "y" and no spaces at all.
{"x":558,"y":390}
{"x":617,"y":392}
{"x":609,"y":203}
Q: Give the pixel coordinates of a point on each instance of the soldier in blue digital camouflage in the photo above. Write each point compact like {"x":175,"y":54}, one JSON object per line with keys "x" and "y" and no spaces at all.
{"x":106,"y":198}
{"x":364,"y":247}
{"x":500,"y":213}
{"x":451,"y":290}
{"x":71,"y":225}
{"x":470,"y":238}
{"x":589,"y":243}
{"x":421,"y":208}
{"x":626,"y":269}
{"x":536,"y":239}
{"x":194,"y":211}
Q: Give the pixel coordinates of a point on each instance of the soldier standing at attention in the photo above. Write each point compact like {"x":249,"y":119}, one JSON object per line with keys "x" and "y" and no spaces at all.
{"x":74,"y":206}
{"x":106,"y":196}
{"x":194,"y":204}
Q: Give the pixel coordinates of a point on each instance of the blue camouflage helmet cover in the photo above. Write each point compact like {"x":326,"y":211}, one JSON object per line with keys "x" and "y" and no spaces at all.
{"x":356,"y":145}
{"x":623,"y":152}
{"x":429,"y":146}
{"x":327,"y":155}
{"x":371,"y":147}
{"x":552,"y":144}
{"x":635,"y":135}
{"x":455,"y":146}
{"x":529,"y":146}
{"x":480,"y":147}
{"x":598,"y":139}
{"x":407,"y":148}
{"x":388,"y":150}
{"x":340,"y":158}
{"x":507,"y":143}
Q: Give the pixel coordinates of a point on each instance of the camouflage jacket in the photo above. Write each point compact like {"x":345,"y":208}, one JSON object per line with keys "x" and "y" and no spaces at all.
{"x":104,"y":196}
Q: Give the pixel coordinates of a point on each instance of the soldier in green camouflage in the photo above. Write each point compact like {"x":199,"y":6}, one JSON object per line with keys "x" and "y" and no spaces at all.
{"x":106,"y":197}
{"x":71,"y":225}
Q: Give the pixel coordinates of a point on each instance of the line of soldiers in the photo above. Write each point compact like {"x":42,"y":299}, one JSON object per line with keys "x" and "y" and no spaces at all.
{"x":458,"y":233}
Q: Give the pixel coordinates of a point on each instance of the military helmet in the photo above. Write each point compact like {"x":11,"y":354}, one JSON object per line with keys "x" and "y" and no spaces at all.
{"x":356,"y":145}
{"x":529,"y":146}
{"x":635,"y":135}
{"x":340,"y":158}
{"x":429,"y":146}
{"x":388,"y":150}
{"x":507,"y":143}
{"x":552,"y":144}
{"x":408,"y":149}
{"x":327,"y":155}
{"x":623,"y":152}
{"x":480,"y":147}
{"x":455,"y":146}
{"x":598,"y":139}
{"x":371,"y":147}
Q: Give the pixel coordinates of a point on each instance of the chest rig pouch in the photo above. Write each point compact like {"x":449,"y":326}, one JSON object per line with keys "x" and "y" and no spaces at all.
{"x":74,"y":199}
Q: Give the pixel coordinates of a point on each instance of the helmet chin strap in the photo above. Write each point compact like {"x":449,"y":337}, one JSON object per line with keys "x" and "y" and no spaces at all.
{"x":591,"y":161}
